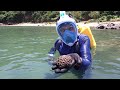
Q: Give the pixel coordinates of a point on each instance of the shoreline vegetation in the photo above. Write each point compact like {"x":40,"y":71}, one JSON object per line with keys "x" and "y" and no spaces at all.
{"x":90,"y":24}
{"x":49,"y":18}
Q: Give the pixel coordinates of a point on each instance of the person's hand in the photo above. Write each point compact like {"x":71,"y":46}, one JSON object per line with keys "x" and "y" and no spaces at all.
{"x":51,"y":53}
{"x":77,"y":59}
{"x":65,"y":62}
{"x":51,"y":56}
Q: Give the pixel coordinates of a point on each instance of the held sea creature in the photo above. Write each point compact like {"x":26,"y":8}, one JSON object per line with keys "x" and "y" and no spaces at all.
{"x":64,"y":61}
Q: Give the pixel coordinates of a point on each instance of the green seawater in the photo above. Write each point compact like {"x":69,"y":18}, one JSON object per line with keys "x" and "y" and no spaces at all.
{"x":23,"y":54}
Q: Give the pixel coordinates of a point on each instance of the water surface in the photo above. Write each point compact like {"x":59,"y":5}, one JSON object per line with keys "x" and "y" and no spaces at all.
{"x":23,"y":54}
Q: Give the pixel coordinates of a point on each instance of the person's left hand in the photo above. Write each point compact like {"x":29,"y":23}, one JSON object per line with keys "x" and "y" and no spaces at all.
{"x":63,"y":64}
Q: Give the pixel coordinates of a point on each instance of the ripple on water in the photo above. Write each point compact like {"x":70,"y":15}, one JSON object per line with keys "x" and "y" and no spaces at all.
{"x":118,"y":59}
{"x":19,"y":60}
{"x":37,"y":53}
{"x":3,"y":50}
{"x":19,"y":47}
{"x":34,"y":42}
{"x":29,"y":55}
{"x":113,"y":64}
{"x":14,"y":58}
{"x":43,"y":58}
{"x":11,"y":56}
{"x":115,"y":71}
{"x":7,"y":67}
{"x":21,"y":64}
{"x":116,"y":37}
{"x":98,"y":67}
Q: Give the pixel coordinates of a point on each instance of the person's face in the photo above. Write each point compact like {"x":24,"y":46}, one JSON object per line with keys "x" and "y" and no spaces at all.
{"x":67,"y":27}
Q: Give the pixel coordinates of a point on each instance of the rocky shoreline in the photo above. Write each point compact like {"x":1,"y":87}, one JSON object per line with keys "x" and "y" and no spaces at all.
{"x":108,"y":26}
{"x":104,"y":25}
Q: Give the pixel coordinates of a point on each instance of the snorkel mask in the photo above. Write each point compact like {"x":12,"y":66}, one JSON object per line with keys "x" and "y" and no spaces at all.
{"x":67,"y":29}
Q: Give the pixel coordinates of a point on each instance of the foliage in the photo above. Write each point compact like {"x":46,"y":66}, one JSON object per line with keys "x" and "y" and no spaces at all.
{"x":94,"y":14}
{"x":11,"y":17}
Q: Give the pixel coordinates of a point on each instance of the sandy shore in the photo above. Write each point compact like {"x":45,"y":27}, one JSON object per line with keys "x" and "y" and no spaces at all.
{"x":30,"y":24}
{"x":92,"y":24}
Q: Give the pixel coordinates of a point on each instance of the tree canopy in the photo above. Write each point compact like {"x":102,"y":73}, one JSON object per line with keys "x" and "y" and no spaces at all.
{"x":12,"y":17}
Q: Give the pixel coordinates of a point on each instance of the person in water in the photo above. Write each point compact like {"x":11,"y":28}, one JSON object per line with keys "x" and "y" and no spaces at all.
{"x":70,"y":44}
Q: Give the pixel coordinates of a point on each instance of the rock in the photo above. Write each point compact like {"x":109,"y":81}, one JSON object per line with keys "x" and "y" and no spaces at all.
{"x":100,"y":26}
{"x":108,"y":26}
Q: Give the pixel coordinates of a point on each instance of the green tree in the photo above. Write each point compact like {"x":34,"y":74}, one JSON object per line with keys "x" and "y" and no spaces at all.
{"x":94,"y":14}
{"x":85,"y":15}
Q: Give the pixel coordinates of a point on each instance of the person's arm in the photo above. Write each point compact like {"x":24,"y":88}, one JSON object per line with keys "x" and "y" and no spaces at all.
{"x":52,"y":50}
{"x":79,"y":61}
{"x":85,"y":52}
{"x":55,"y":47}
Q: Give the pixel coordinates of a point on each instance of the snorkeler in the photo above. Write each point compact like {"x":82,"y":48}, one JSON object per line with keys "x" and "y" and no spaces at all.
{"x":73,"y":47}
